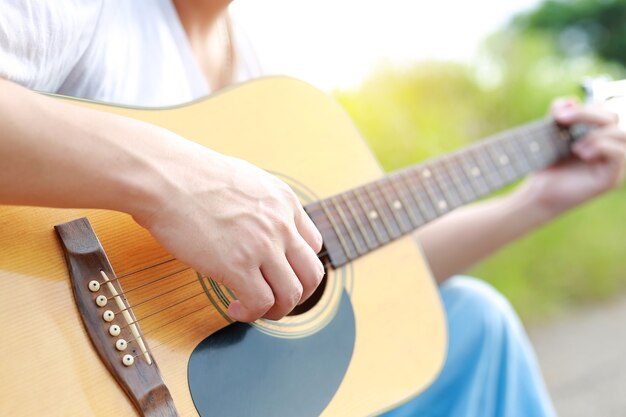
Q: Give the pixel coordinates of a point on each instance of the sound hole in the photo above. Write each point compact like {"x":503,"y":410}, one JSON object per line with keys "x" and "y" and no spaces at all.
{"x":312,"y":300}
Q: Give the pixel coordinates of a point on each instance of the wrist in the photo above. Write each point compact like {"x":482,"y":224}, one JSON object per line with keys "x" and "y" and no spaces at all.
{"x":535,"y":202}
{"x":141,"y":184}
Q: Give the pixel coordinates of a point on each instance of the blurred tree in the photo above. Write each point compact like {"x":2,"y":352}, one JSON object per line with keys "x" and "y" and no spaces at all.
{"x":581,"y":27}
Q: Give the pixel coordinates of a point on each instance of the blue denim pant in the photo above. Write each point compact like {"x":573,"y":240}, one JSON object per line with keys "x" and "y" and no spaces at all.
{"x":491,"y":369}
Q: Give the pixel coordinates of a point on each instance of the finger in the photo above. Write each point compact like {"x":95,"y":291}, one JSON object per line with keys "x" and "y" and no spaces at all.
{"x":564,"y":102}
{"x":610,"y":134}
{"x":308,"y":230}
{"x":589,"y":115}
{"x":254,"y":296}
{"x":598,"y":148}
{"x":284,"y":284}
{"x":307,"y":267}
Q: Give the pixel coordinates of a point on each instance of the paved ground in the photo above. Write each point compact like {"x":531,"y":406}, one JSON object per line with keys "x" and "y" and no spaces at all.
{"x":583,"y":357}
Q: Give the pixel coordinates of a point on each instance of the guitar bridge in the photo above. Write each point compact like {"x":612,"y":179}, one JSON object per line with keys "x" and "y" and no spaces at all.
{"x":110,"y":322}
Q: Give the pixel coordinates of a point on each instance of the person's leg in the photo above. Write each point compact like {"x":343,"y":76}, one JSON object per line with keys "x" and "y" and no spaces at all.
{"x":491,"y":369}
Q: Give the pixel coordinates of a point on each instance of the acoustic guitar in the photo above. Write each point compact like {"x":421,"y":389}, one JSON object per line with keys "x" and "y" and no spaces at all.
{"x":98,"y":319}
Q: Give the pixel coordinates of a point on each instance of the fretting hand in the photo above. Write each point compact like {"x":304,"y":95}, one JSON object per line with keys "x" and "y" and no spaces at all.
{"x":598,"y":163}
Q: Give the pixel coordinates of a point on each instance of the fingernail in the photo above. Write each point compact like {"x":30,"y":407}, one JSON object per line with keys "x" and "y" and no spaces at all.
{"x":561,"y":103}
{"x":321,"y":268}
{"x":565,"y":114}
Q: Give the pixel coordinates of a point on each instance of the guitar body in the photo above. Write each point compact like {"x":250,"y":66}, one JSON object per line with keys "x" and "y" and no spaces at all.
{"x":380,"y":317}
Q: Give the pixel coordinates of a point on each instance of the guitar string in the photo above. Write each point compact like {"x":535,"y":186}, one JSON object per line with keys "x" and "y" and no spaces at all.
{"x":168,"y":340}
{"x":154,"y":297}
{"x":494,"y":170}
{"x":158,"y":295}
{"x":316,"y":207}
{"x":193,"y":296}
{"x":161,"y":310}
{"x":144,"y":269}
{"x":188,"y":283}
{"x":348,"y":227}
{"x":150,"y":331}
{"x":530,"y":129}
{"x":152,"y":282}
{"x":177,"y":303}
{"x":376,"y":203}
{"x":319,"y":255}
{"x":175,"y":337}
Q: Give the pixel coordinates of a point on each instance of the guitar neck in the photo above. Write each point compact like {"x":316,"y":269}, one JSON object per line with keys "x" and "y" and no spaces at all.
{"x":365,"y":218}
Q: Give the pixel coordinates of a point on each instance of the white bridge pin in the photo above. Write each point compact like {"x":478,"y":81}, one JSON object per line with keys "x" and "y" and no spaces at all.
{"x":94,"y":286}
{"x":108,"y":316}
{"x":121,"y":344}
{"x":101,"y":301}
{"x":128,"y":360}
{"x":114,"y":330}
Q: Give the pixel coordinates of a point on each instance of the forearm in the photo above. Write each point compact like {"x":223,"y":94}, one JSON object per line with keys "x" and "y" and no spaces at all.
{"x":61,"y":155}
{"x":223,"y":217}
{"x":458,"y":240}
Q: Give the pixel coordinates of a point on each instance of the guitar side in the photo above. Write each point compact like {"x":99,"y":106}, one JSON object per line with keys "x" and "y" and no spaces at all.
{"x":49,"y":365}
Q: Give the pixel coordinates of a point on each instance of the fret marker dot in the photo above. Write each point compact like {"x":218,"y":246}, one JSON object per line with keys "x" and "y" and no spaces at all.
{"x":397,"y":205}
{"x":373,"y":214}
{"x":475,"y":171}
{"x":534,"y":147}
{"x":443,"y":205}
{"x":504,"y":159}
{"x":426,"y":173}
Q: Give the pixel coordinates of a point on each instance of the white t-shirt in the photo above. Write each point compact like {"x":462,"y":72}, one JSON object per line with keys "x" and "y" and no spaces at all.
{"x":117,"y":51}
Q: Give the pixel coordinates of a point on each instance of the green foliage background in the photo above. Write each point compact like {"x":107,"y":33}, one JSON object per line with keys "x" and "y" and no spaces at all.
{"x":409,"y":114}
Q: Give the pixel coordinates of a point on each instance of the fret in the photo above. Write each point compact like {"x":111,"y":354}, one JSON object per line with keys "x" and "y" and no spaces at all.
{"x":347,"y":247}
{"x":531,"y":146}
{"x":368,"y":234}
{"x":393,"y":230}
{"x":425,"y":177}
{"x":551,"y":149}
{"x":372,"y":215}
{"x":422,"y":202}
{"x":501,"y":161}
{"x":521,"y":157}
{"x":349,"y":222}
{"x":332,"y":243}
{"x":358,"y":221}
{"x":474,"y":174}
{"x":486,"y":167}
{"x":412,"y":210}
{"x":516,"y":162}
{"x":447,"y":185}
{"x":561,"y":138}
{"x":396,"y":206}
{"x":548,"y":152}
{"x":458,"y":176}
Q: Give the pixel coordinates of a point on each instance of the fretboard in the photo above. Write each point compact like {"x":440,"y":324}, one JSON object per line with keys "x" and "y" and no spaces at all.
{"x":358,"y":221}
